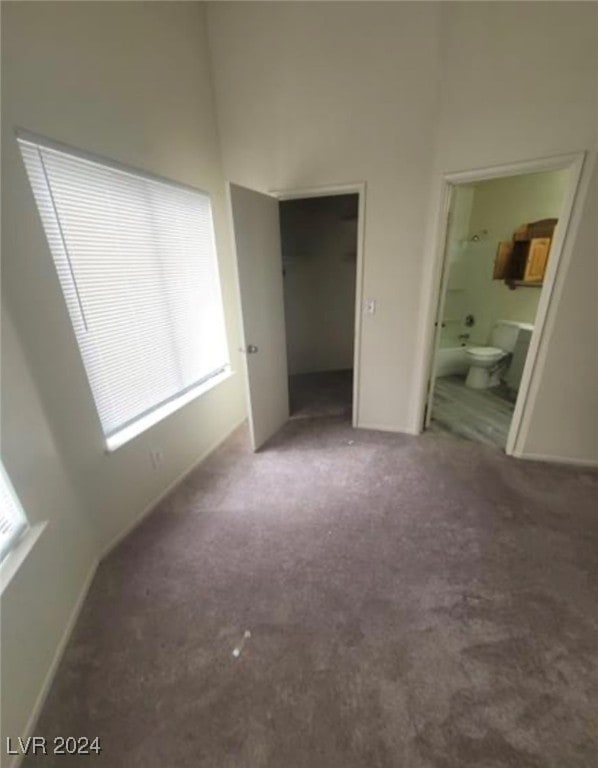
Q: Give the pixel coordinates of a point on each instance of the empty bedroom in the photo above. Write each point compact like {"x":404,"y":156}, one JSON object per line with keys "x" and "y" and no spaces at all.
{"x":299,"y":384}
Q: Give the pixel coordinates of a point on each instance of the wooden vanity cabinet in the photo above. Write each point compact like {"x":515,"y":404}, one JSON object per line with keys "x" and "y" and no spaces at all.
{"x":537,"y":259}
{"x":502,"y":260}
{"x":522,"y":262}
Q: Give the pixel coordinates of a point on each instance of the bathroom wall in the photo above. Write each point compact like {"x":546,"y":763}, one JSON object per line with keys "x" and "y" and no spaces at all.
{"x":456,"y":299}
{"x":499,"y":207}
{"x":491,"y":211}
{"x":319,"y":248}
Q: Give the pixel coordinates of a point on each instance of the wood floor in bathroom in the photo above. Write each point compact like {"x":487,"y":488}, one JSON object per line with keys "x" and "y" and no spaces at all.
{"x":483,"y":415}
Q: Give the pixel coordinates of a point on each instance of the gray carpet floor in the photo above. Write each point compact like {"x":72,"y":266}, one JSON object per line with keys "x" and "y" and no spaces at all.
{"x":411,"y":602}
{"x":323,"y":393}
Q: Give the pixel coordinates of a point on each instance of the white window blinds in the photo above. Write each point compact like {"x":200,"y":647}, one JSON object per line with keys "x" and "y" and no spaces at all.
{"x":136,"y":259}
{"x":12,"y":517}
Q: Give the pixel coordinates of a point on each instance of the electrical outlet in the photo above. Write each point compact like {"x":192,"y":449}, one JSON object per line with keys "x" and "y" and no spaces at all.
{"x":156,"y":457}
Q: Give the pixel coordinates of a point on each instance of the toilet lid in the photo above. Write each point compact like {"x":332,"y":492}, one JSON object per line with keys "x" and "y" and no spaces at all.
{"x":485,"y":351}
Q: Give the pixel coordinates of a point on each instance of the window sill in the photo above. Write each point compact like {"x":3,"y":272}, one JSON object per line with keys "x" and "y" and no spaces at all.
{"x":133,"y":430}
{"x":18,"y":554}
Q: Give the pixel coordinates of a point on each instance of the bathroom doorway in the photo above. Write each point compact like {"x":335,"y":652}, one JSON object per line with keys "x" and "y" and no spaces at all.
{"x":319,"y":243}
{"x":502,"y":245}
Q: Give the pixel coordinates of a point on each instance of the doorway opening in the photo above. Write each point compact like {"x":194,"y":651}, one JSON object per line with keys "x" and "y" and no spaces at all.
{"x":502,"y":245}
{"x":319,"y":244}
{"x":255,"y":225}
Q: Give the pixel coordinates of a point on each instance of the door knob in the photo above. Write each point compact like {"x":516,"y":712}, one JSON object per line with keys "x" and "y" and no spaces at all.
{"x":251,"y":349}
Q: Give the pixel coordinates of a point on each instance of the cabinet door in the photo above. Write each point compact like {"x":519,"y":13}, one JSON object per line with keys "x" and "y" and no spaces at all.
{"x":502,"y":261}
{"x":537,"y":259}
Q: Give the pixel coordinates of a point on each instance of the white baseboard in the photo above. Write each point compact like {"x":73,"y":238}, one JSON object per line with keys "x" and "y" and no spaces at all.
{"x":138,"y":519}
{"x":49,"y":678}
{"x":588,"y":463}
{"x":386,"y":428}
{"x":58,"y":654}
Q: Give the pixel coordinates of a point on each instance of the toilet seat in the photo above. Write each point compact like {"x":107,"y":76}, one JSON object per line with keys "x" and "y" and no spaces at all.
{"x":483,"y":353}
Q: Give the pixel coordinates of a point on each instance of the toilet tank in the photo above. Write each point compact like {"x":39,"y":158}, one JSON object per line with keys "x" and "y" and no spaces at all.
{"x":505,"y":332}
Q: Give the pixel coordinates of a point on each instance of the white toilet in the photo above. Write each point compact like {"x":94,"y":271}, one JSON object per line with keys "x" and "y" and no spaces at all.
{"x":485,"y":362}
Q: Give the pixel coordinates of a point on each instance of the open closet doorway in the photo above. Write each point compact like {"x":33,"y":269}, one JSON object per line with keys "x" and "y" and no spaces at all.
{"x":503,"y":243}
{"x":319,"y":237}
{"x":325,"y":332}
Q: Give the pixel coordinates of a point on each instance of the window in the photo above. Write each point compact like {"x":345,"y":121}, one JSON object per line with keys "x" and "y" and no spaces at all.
{"x":12,"y":518}
{"x":136,"y":259}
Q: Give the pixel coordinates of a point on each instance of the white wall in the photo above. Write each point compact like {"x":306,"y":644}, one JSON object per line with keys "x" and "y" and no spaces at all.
{"x":38,"y":602}
{"x":564,"y":422}
{"x":319,"y":250}
{"x":455,"y":306}
{"x":497,"y":107}
{"x":396,"y":94}
{"x":308,"y":94}
{"x":318,"y":94}
{"x":129,"y":81}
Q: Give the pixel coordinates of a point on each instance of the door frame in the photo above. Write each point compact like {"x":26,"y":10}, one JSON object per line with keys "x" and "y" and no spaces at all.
{"x":551,"y":290}
{"x":359,"y":189}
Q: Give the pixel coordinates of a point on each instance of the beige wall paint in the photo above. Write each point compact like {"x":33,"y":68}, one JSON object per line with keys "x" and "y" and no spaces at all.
{"x":36,"y":605}
{"x":319,"y":250}
{"x":316,"y":94}
{"x":396,"y":95}
{"x":322,"y":94}
{"x":498,"y":108}
{"x":564,"y":422}
{"x":499,"y":207}
{"x":129,"y":81}
{"x":456,"y":304}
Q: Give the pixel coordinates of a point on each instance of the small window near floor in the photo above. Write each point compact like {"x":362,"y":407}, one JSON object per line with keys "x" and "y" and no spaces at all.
{"x":13,"y":522}
{"x":136,"y":259}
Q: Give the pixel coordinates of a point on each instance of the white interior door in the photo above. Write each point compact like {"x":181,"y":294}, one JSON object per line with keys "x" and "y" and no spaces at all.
{"x":259,"y":261}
